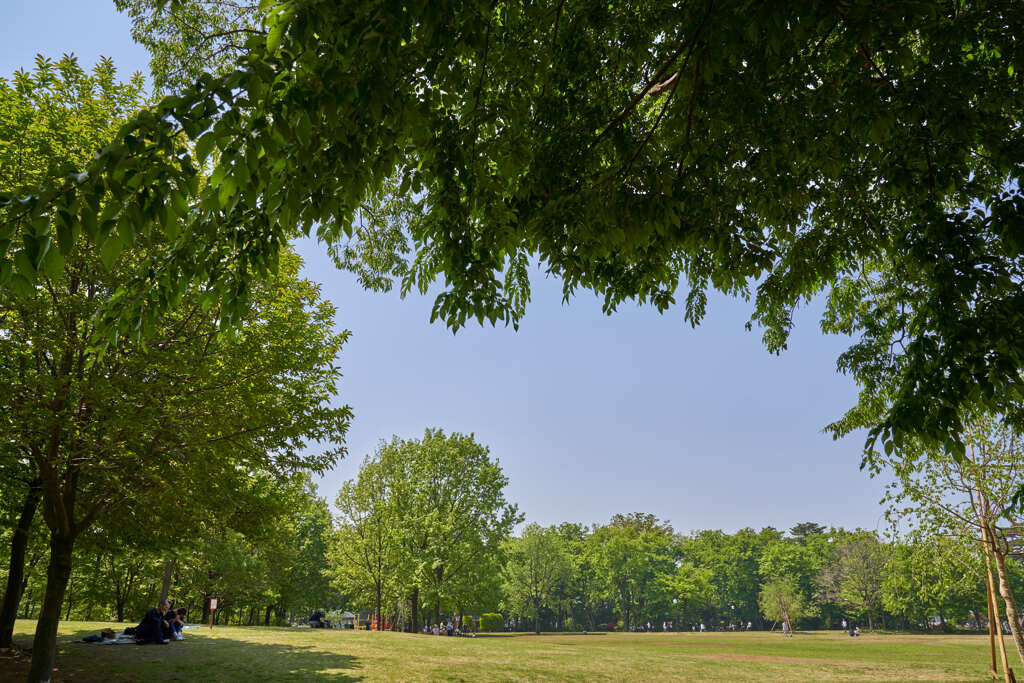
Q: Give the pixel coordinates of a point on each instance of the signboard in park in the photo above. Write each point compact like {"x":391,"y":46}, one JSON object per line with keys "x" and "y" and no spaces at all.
{"x":213,"y":603}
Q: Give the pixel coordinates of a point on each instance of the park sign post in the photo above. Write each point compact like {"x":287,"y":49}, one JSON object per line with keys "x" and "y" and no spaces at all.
{"x":213,"y":607}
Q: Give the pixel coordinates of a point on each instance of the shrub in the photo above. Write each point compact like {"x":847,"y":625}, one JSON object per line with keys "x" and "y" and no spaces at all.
{"x":467,"y":623}
{"x":490,"y":622}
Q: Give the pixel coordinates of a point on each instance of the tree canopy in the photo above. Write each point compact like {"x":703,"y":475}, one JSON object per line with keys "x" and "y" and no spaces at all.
{"x":762,"y":150}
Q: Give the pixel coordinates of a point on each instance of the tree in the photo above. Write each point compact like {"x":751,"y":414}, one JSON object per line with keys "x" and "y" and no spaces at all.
{"x":580,"y":594}
{"x":457,"y":506}
{"x":723,"y":146}
{"x":805,"y":530}
{"x":630,"y":555}
{"x":734,"y":563}
{"x":51,"y":117}
{"x":797,"y":561}
{"x":689,"y":586}
{"x":188,"y":37}
{"x":364,"y":550}
{"x":969,"y":496}
{"x":101,"y":429}
{"x":860,"y":563}
{"x":428,"y":517}
{"x":536,"y":563}
{"x":927,"y":575}
{"x":780,"y":600}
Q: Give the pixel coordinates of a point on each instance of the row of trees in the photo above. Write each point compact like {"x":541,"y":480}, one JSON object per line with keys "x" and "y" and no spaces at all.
{"x":150,"y":447}
{"x":430,"y":540}
{"x":265,"y":562}
{"x":424,"y":533}
{"x":636,"y":570}
{"x":423,"y":525}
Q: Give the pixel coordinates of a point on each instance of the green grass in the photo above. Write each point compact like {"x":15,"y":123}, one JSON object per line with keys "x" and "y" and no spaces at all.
{"x":250,"y":654}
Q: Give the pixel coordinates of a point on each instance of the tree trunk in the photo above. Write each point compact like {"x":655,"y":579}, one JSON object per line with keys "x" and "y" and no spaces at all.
{"x":1007,"y":593}
{"x":266,"y":616}
{"x":871,"y":623}
{"x":1008,"y":676}
{"x":380,"y":617}
{"x":16,"y":572}
{"x":536,"y":617}
{"x":437,"y":611}
{"x":991,"y":632}
{"x":165,"y":587}
{"x":70,"y":591}
{"x":58,"y":573}
{"x":415,"y":600}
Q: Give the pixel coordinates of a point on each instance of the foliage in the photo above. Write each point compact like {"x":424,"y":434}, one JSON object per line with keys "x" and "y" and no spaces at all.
{"x":491,"y":622}
{"x":364,"y":549}
{"x":536,"y":563}
{"x":860,"y":562}
{"x":628,"y":149}
{"x":927,"y":576}
{"x":189,"y":409}
{"x":186,"y":38}
{"x":425,"y":520}
{"x":781,"y":600}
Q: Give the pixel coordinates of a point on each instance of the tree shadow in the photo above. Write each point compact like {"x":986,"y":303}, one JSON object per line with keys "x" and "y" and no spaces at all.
{"x":531,"y":634}
{"x":217,"y":658}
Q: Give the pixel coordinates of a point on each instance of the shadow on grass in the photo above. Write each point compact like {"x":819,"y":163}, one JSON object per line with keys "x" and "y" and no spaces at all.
{"x":198,"y":657}
{"x":530,"y":634}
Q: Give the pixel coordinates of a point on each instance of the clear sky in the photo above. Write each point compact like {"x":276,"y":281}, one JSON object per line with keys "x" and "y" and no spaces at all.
{"x":589,"y":415}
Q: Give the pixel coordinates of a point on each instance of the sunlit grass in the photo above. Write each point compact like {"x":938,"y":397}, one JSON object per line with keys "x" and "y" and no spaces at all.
{"x":250,"y":654}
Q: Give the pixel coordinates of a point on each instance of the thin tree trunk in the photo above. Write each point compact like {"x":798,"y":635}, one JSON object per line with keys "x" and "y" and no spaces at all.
{"x":16,"y":571}
{"x":70,"y":591}
{"x":1007,"y":593}
{"x":266,"y":616}
{"x":380,"y":617}
{"x":991,"y":625}
{"x":1008,"y":676}
{"x":415,"y":600}
{"x":58,"y":574}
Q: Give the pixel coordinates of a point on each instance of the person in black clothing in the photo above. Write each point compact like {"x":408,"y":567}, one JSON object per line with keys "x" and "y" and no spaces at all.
{"x":173,"y":621}
{"x":151,"y":630}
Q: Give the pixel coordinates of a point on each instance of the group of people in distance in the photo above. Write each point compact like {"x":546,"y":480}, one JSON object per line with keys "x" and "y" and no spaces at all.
{"x":443,"y":629}
{"x":160,"y":625}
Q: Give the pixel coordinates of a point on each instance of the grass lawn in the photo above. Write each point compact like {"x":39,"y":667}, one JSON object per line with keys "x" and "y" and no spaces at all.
{"x":261,"y":654}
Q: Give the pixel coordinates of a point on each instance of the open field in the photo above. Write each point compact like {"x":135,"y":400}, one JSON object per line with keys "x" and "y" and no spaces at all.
{"x":246,"y":654}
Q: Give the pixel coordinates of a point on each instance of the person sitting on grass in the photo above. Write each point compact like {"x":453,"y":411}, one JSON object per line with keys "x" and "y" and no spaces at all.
{"x":151,"y":630}
{"x":174,"y":620}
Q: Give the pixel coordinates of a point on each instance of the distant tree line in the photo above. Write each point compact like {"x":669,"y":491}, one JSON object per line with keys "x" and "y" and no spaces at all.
{"x":424,"y":534}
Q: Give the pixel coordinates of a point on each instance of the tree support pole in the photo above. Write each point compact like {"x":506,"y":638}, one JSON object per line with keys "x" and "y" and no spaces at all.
{"x":1008,"y":676}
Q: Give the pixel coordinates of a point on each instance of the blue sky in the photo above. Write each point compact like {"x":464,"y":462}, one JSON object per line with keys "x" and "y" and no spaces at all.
{"x":590,"y":415}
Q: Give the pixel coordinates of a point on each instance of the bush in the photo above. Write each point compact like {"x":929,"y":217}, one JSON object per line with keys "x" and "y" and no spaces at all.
{"x":467,"y":623}
{"x":491,"y":622}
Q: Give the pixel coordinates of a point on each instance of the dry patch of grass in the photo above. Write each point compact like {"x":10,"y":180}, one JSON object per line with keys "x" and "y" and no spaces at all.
{"x":268,"y":654}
